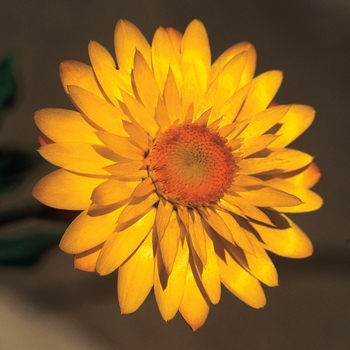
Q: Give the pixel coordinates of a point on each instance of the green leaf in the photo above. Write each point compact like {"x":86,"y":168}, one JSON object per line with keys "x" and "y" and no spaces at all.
{"x":24,"y":242}
{"x":25,"y":250}
{"x":8,"y":85}
{"x":14,"y":165}
{"x":7,"y":82}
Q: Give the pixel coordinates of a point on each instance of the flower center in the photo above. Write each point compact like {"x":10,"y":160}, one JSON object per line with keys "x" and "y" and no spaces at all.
{"x":191,"y":165}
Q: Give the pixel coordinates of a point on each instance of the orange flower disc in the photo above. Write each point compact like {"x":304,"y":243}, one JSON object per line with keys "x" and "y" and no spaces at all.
{"x":192,"y":165}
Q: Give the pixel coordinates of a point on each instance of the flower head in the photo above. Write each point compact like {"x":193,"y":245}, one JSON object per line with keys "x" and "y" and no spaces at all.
{"x":180,"y":168}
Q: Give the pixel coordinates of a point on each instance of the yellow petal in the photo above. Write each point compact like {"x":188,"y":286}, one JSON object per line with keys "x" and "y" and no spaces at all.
{"x":135,"y":277}
{"x":140,"y":114}
{"x":86,"y":232}
{"x":245,"y":208}
{"x":271,"y":197}
{"x":145,"y":83}
{"x":111,"y":80}
{"x":210,"y":276}
{"x":99,"y":112}
{"x":208,"y":100}
{"x":165,"y":56}
{"x":79,"y":157}
{"x":79,"y":74}
{"x":251,"y":166}
{"x":144,"y":188}
{"x":64,"y":190}
{"x":112,"y":191}
{"x":191,"y":91}
{"x":307,"y":177}
{"x":263,"y":121}
{"x":246,"y":181}
{"x":182,"y":213}
{"x":164,"y":213}
{"x":86,"y":261}
{"x":172,"y":99}
{"x":263,"y":89}
{"x":218,"y":224}
{"x":194,"y":307}
{"x":287,"y":239}
{"x":255,"y":144}
{"x":135,"y":209}
{"x":168,"y":297}
{"x":259,"y":264}
{"x":294,"y":123}
{"x":232,"y":208}
{"x":120,"y":145}
{"x":175,"y":38}
{"x":161,"y":116}
{"x":240,"y":282}
{"x":62,"y":125}
{"x":277,"y":162}
{"x":295,"y":159}
{"x":310,"y":201}
{"x":230,"y":75}
{"x":120,"y":245}
{"x":197,"y":235}
{"x":230,"y":53}
{"x":169,"y":242}
{"x":128,"y":39}
{"x":138,"y":136}
{"x":225,"y":85}
{"x":128,"y":171}
{"x":195,"y":51}
{"x":230,"y":109}
{"x":240,"y":237}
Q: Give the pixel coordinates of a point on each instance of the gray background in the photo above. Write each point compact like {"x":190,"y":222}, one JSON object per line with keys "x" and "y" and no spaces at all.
{"x":51,"y":306}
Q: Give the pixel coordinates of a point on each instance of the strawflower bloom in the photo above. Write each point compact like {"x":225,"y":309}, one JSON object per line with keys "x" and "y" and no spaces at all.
{"x":180,"y":169}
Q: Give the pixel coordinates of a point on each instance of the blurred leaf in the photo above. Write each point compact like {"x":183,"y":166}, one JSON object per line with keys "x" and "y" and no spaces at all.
{"x":26,"y":250}
{"x":7,"y":82}
{"x":14,"y":165}
{"x":23,"y":240}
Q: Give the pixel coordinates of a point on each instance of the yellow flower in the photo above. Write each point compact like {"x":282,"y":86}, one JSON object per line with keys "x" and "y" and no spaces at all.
{"x":180,"y":169}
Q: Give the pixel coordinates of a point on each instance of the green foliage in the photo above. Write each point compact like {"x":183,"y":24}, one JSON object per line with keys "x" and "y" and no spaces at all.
{"x":8,"y":83}
{"x":26,"y":250}
{"x":20,"y":244}
{"x":14,"y":165}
